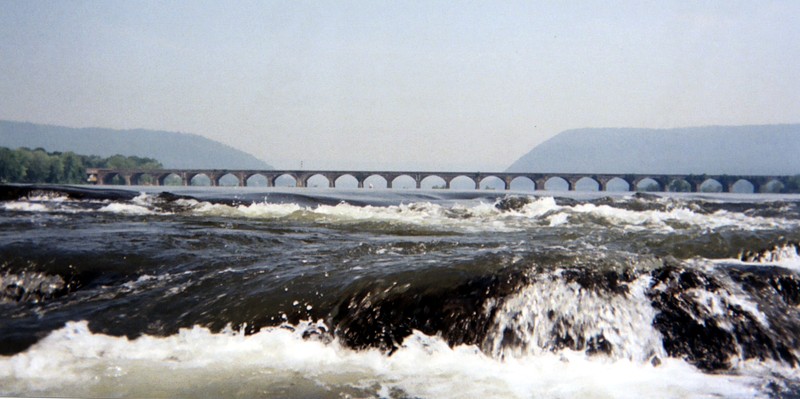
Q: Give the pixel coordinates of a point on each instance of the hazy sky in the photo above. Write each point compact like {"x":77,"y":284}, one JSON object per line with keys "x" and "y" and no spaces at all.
{"x":383,"y":84}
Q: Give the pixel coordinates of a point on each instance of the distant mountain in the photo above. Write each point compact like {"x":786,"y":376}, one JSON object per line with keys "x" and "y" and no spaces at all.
{"x":173,"y":150}
{"x":764,"y":149}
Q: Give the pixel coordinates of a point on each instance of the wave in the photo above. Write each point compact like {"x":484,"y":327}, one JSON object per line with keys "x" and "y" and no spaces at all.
{"x":553,"y":313}
{"x":499,"y":213}
{"x":283,"y":361}
{"x":536,"y":213}
{"x":714,"y":319}
{"x":786,"y":255}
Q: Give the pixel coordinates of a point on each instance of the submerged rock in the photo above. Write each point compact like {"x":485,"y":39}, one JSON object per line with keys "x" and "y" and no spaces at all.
{"x":512,"y":203}
{"x":708,"y":321}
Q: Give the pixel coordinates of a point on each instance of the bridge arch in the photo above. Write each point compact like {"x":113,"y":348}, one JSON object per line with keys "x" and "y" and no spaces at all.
{"x":647,"y":184}
{"x":680,"y":185}
{"x":404,"y":181}
{"x":772,"y":186}
{"x":744,"y":186}
{"x":587,"y":183}
{"x":286,"y":180}
{"x":556,"y":183}
{"x":461,"y":182}
{"x":616,"y":184}
{"x":376,"y":181}
{"x":492,"y":182}
{"x":115,"y":179}
{"x":433,"y":182}
{"x":143,"y":179}
{"x":170,"y":179}
{"x":256,"y":180}
{"x":318,"y":180}
{"x":228,"y":180}
{"x":346,"y":180}
{"x":522,"y":183}
{"x":199,"y":179}
{"x":711,"y":186}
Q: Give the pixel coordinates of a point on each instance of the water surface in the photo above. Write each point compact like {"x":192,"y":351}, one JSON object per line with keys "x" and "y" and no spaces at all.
{"x":397,"y":293}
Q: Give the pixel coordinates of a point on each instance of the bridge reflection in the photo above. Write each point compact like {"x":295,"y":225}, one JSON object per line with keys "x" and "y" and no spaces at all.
{"x":539,"y":181}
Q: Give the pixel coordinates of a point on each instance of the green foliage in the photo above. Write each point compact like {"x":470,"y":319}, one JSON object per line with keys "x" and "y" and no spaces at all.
{"x":792,"y":185}
{"x":652,"y":187}
{"x":679,"y":186}
{"x":24,"y":165}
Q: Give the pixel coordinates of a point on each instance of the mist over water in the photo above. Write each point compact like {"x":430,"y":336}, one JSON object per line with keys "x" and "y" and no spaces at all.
{"x":397,"y":293}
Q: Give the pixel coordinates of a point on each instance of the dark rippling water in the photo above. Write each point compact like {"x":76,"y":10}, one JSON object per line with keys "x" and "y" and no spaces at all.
{"x":396,"y":294}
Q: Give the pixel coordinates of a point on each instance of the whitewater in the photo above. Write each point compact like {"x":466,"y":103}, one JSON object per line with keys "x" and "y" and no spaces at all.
{"x":270,"y":292}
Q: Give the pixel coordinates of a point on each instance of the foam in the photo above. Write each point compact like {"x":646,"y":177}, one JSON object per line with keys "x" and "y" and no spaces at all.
{"x":461,"y":217}
{"x":126,"y":209}
{"x":716,"y":304}
{"x":46,"y":204}
{"x":624,"y":321}
{"x":255,"y":210}
{"x":424,"y":214}
{"x":666,"y":220}
{"x":49,"y":197}
{"x":787,"y":256}
{"x":24,"y":206}
{"x":73,"y":361}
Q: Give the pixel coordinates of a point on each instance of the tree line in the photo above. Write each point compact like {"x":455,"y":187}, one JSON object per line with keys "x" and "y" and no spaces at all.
{"x":24,"y":165}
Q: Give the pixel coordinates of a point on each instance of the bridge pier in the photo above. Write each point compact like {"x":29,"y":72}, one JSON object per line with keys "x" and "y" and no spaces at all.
{"x":663,"y":184}
{"x":331,"y":180}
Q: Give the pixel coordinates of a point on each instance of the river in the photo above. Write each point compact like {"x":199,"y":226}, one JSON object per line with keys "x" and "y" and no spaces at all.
{"x":283,"y":292}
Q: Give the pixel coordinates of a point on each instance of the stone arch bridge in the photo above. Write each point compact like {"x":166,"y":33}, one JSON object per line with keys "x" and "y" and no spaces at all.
{"x":654,"y":182}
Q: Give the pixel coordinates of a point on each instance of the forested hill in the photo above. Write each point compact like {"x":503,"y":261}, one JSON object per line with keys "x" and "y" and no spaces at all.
{"x":761,"y":149}
{"x":173,"y":150}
